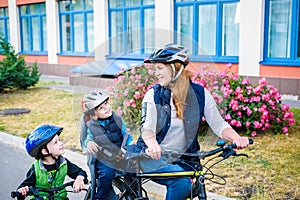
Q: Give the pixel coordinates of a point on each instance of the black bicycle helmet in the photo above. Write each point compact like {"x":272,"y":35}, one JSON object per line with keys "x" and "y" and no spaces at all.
{"x":40,"y":137}
{"x":171,"y":53}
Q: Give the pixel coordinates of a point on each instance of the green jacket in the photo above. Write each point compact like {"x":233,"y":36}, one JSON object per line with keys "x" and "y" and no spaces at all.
{"x":58,"y":177}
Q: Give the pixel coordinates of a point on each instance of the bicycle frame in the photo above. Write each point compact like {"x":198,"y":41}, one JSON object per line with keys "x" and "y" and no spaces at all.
{"x":136,"y":185}
{"x":134,"y":189}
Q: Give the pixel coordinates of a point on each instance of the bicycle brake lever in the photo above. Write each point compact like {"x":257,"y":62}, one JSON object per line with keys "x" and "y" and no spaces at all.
{"x":242,"y":154}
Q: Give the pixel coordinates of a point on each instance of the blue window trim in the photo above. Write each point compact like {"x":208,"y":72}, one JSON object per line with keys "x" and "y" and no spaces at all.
{"x":219,"y":13}
{"x":5,"y":19}
{"x":41,"y":41}
{"x":124,"y":9}
{"x":293,"y":60}
{"x":71,"y":13}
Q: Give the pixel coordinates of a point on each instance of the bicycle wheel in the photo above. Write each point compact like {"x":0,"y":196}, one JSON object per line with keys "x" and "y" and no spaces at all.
{"x":120,"y":189}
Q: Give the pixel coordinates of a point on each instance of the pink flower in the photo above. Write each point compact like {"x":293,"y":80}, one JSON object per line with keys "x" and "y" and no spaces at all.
{"x":285,"y":129}
{"x":262,"y":81}
{"x":137,"y":95}
{"x":125,"y":93}
{"x":253,"y":134}
{"x":248,"y":124}
{"x":245,"y":81}
{"x":119,"y":111}
{"x":257,"y":90}
{"x":257,"y":125}
{"x":285,"y":107}
{"x":227,"y":117}
{"x":233,"y":122}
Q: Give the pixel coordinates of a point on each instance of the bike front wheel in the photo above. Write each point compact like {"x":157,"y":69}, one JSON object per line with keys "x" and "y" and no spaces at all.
{"x":122,"y":191}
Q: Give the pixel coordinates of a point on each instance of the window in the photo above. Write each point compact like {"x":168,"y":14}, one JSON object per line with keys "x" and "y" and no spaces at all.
{"x":33,"y":28}
{"x":208,"y":29}
{"x":282,"y":46}
{"x":4,"y":23}
{"x":76,"y":27}
{"x":131,"y":25}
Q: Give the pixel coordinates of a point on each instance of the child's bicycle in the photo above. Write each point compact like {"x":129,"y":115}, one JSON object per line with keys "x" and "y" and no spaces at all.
{"x":50,"y":194}
{"x":131,"y":187}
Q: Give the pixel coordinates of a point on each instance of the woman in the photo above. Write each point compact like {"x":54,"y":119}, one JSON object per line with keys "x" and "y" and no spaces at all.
{"x":172,"y":112}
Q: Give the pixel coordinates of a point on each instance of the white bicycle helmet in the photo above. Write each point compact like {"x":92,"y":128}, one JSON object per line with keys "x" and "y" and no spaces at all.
{"x":93,"y":99}
{"x":171,"y":53}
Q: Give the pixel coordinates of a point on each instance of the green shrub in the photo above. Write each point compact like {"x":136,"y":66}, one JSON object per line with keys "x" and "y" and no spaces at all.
{"x":14,"y":73}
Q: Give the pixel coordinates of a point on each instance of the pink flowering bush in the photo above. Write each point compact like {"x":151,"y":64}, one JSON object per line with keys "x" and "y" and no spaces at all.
{"x":128,"y":92}
{"x":247,"y":107}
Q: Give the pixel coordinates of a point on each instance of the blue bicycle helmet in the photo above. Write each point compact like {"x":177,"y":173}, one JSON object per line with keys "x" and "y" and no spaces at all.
{"x":40,"y":137}
{"x":171,"y":53}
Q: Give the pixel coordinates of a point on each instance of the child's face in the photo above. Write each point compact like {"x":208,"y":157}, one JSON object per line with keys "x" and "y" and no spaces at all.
{"x":103,"y":111}
{"x":56,"y":147}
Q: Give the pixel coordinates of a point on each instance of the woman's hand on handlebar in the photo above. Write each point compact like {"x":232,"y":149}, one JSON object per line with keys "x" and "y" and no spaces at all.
{"x":241,"y":142}
{"x":154,"y":151}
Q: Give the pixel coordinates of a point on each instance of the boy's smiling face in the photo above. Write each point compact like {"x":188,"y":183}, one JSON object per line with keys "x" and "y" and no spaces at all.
{"x":103,"y":111}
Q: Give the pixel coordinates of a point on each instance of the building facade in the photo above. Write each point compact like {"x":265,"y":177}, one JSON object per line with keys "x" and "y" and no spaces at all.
{"x":259,"y":37}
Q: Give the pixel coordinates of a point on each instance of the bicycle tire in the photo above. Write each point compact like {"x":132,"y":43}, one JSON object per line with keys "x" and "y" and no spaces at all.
{"x":119,"y":188}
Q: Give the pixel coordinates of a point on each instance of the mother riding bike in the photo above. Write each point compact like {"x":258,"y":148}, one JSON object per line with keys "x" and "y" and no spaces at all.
{"x":172,"y":112}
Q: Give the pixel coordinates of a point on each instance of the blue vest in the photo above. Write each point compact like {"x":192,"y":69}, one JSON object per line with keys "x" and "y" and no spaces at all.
{"x":193,"y":114}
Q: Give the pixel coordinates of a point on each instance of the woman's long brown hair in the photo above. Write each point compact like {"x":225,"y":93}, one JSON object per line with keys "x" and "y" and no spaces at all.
{"x":180,"y":89}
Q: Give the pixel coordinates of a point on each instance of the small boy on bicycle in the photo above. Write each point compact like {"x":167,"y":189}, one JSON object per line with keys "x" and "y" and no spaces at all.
{"x":104,"y":138}
{"x":50,"y":168}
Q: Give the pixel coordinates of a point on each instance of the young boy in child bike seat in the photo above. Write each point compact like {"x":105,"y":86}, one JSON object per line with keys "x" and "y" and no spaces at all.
{"x":106,"y":135}
{"x":50,"y":168}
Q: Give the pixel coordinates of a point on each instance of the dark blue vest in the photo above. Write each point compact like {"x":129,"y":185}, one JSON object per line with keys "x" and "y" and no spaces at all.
{"x":108,"y":135}
{"x":193,"y":114}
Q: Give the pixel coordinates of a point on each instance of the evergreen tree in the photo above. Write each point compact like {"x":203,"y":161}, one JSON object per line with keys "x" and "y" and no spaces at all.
{"x":14,"y":73}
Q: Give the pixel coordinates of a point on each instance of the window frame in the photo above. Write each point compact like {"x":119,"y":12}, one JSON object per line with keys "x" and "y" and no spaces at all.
{"x":5,"y":20}
{"x":40,"y":17}
{"x":72,"y":13}
{"x":124,"y":9}
{"x":292,"y":60}
{"x":218,"y":57}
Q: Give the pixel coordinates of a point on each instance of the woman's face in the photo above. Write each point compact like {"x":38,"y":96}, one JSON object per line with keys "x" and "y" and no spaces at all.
{"x":163,"y":73}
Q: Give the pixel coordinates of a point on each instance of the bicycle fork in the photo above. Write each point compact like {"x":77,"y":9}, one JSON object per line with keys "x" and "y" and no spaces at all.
{"x":202,"y":191}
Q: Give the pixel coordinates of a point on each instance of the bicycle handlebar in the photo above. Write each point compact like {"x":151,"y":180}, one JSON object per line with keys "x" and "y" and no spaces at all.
{"x":33,"y":190}
{"x":199,"y":154}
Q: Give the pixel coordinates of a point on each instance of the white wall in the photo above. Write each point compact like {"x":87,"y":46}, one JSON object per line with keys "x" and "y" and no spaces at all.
{"x":251,"y":36}
{"x":52,"y":22}
{"x":101,"y":29}
{"x":14,"y":28}
{"x":164,"y":23}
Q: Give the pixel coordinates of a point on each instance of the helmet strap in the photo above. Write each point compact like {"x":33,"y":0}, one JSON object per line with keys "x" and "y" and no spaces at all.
{"x":48,"y":153}
{"x":175,"y":76}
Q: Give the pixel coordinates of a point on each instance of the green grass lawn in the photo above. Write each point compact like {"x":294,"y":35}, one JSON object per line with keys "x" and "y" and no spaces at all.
{"x":271,"y":172}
